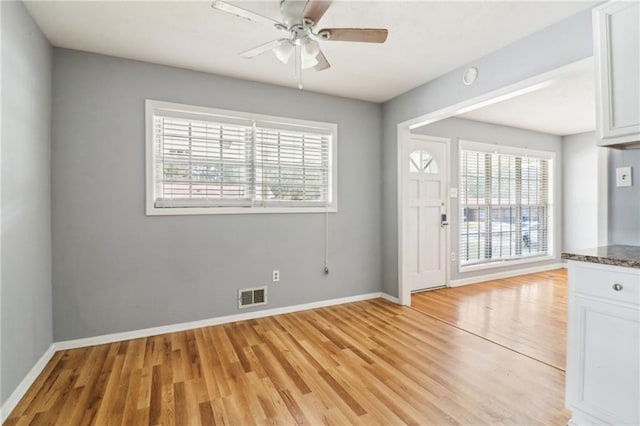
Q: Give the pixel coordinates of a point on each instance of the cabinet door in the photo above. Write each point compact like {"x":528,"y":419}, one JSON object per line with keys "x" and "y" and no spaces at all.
{"x":617,"y":56}
{"x":603,"y":373}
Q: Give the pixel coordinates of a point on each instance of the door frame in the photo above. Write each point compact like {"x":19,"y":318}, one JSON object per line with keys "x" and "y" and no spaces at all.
{"x":408,"y":136}
{"x":502,"y":94}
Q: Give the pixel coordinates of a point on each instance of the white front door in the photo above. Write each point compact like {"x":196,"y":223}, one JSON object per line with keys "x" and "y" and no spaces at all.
{"x":425,"y":215}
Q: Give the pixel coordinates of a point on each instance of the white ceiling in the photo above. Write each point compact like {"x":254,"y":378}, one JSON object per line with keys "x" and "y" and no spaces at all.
{"x":426,"y":39}
{"x":565,"y":107}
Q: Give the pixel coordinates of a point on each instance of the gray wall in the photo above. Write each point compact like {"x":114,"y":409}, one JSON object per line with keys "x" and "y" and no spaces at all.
{"x":26,"y":219}
{"x":115,"y":269}
{"x":560,"y":44}
{"x":624,"y":202}
{"x":458,"y":128}
{"x":580,"y":191}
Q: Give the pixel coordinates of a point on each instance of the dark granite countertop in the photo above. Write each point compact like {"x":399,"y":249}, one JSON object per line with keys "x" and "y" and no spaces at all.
{"x":628,"y":256}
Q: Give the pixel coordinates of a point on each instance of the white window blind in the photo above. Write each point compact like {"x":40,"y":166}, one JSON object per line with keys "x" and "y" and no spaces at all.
{"x":504,"y":206}
{"x":204,"y":159}
{"x":291,"y":166}
{"x":202,"y":163}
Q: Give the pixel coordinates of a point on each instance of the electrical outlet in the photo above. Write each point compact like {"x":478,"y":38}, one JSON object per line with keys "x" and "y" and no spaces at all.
{"x":275,"y":277}
{"x":453,"y":256}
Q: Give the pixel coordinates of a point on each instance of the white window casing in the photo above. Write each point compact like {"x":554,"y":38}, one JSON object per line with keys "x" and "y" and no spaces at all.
{"x":209,"y":161}
{"x":506,"y":205}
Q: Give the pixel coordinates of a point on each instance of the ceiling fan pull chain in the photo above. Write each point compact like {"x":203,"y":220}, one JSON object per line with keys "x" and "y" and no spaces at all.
{"x":298,"y":70}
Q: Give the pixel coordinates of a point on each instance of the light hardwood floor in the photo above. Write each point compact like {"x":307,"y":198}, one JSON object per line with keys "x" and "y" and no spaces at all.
{"x":527,"y":313}
{"x":365,"y":363}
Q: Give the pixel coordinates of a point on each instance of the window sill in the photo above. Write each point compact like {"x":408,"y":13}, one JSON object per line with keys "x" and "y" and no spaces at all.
{"x":505,"y":263}
{"x":189,"y":211}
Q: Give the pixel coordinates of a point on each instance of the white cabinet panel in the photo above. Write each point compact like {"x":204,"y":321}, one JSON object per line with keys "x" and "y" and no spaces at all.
{"x":617,"y":56}
{"x":603,"y":345}
{"x":608,"y":360}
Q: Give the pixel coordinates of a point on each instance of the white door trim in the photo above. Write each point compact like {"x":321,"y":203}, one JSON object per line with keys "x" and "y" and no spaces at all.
{"x":404,"y":290}
{"x":511,"y":91}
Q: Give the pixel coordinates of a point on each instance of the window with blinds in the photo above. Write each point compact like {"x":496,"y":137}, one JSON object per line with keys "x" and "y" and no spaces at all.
{"x":504,"y":206}
{"x":213,"y":161}
{"x":291,"y":167}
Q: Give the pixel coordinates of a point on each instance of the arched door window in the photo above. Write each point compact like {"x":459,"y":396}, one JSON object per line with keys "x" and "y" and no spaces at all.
{"x":421,"y":161}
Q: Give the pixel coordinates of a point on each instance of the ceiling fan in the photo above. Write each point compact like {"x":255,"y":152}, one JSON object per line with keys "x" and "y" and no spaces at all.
{"x":299,"y":19}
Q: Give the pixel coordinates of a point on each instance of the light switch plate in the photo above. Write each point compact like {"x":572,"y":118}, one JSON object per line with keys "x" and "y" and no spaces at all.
{"x":623,"y":176}
{"x":453,"y":192}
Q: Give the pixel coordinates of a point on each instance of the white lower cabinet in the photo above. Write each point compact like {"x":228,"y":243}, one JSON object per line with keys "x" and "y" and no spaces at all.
{"x":603,"y":345}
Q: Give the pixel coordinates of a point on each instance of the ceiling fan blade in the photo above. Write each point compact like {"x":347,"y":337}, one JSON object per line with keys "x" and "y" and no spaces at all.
{"x":323,"y":64}
{"x":315,"y":9}
{"x":364,"y":35}
{"x":252,"y":53}
{"x":246,"y":14}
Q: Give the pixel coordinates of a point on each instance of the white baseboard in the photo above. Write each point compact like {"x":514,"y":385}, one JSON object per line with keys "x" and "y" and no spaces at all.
{"x":390,"y":298}
{"x":15,"y":397}
{"x":136,"y":334}
{"x":505,"y":274}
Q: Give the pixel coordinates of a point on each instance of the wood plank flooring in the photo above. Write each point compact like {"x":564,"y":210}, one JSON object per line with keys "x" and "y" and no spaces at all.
{"x":367,"y":363}
{"x":527,"y":313}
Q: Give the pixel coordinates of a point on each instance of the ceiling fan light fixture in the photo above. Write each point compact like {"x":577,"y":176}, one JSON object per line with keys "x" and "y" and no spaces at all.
{"x":308,"y":62}
{"x":310,"y":47}
{"x":309,"y":50}
{"x":283,"y":51}
{"x":299,"y":19}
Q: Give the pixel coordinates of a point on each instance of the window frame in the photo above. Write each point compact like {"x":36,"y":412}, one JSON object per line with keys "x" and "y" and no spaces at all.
{"x":550,"y":156}
{"x":191,"y":111}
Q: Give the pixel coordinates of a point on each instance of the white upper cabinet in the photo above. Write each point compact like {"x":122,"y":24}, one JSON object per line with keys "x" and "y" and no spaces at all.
{"x":616,"y":29}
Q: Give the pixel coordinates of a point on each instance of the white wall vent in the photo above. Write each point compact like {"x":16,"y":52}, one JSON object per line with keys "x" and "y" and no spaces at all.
{"x":252,"y":297}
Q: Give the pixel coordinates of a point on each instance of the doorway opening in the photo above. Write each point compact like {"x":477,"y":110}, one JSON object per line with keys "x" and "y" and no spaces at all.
{"x":423,"y":125}
{"x":513,"y":222}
